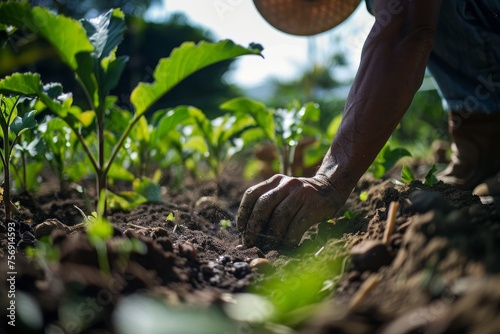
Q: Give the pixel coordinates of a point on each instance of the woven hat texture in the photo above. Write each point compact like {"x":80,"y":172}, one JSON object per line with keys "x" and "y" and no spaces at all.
{"x":305,"y":17}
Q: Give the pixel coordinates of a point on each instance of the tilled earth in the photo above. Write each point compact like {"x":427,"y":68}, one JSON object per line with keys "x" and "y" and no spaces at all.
{"x":437,"y":273}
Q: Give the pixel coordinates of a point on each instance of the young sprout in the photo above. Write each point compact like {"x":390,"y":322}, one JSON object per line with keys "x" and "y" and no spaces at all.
{"x":172,"y":217}
{"x":13,"y":123}
{"x":225,"y":223}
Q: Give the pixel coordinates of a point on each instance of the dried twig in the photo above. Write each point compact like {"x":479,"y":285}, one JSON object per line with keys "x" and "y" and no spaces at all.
{"x":365,"y":288}
{"x":391,"y":219}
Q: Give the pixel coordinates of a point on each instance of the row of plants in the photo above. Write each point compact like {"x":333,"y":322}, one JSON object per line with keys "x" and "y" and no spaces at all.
{"x":42,"y":127}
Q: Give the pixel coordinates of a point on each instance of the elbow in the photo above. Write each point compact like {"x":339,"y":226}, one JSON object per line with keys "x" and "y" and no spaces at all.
{"x":421,"y":38}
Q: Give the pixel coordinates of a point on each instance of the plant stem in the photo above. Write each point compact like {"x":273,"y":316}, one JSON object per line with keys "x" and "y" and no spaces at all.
{"x":120,"y":142}
{"x":101,"y":171}
{"x":25,"y":177}
{"x":6,"y":170}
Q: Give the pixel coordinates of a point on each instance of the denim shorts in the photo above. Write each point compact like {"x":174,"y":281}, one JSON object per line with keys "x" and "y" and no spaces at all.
{"x":465,"y":60}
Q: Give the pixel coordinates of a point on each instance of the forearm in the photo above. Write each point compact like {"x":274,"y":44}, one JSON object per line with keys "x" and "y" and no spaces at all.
{"x":392,"y":68}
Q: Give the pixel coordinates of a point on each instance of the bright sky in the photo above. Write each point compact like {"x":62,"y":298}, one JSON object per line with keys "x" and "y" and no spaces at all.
{"x":285,"y":55}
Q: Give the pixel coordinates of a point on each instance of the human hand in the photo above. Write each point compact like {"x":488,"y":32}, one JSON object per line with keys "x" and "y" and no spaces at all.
{"x":277,"y":212}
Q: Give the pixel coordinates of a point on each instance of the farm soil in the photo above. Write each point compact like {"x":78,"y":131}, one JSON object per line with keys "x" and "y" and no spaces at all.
{"x":439,"y":273}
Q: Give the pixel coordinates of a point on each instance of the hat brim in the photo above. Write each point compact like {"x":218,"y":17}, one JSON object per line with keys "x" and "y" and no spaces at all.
{"x":305,"y":17}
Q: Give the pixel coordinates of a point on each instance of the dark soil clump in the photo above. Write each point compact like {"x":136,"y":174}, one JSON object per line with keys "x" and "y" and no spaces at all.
{"x":439,"y":274}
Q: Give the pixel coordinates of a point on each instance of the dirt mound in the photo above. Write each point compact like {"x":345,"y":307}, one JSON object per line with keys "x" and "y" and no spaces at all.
{"x":439,"y":274}
{"x":445,"y":249}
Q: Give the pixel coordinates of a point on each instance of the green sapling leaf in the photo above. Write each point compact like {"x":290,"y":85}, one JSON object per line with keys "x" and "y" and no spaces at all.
{"x":27,"y":122}
{"x":105,"y":32}
{"x":406,"y":174}
{"x":430,"y":178}
{"x":65,"y":34}
{"x":182,"y":62}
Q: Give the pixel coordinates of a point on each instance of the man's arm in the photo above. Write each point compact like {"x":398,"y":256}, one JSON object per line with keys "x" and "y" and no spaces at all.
{"x":392,"y":68}
{"x":393,"y":61}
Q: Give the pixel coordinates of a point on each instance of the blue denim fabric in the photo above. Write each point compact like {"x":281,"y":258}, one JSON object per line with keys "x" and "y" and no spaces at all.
{"x":465,"y":61}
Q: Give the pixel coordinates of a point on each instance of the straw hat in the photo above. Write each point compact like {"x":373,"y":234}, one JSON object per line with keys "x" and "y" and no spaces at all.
{"x":305,"y":17}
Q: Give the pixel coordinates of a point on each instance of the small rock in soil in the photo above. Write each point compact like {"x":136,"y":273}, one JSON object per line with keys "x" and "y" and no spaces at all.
{"x":224,"y":259}
{"x":262,"y":265}
{"x":241,"y":269}
{"x":370,"y":255}
{"x":188,"y":251}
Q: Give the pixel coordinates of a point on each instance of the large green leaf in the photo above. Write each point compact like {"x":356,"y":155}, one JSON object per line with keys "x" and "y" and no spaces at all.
{"x":111,"y":73}
{"x":100,"y":70}
{"x":257,"y":110}
{"x":26,"y":122}
{"x":184,"y":61}
{"x":105,"y":32}
{"x":21,"y":84}
{"x":30,"y":84}
{"x":65,"y":34}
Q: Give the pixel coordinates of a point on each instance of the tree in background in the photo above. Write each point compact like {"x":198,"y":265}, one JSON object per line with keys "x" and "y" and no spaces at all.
{"x":92,"y":8}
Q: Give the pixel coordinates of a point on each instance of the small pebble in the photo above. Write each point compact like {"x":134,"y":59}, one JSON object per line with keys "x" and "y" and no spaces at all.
{"x":223,"y":259}
{"x":262,"y":265}
{"x":370,"y":255}
{"x":188,"y":251}
{"x":240,"y":247}
{"x":241,"y":269}
{"x":158,"y":232}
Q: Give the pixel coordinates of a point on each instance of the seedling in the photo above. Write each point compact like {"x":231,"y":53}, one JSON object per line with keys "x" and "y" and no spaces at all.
{"x":350,"y":214}
{"x":172,"y":217}
{"x":386,"y":159}
{"x":284,"y":127}
{"x":225,"y":224}
{"x":406,"y":174}
{"x":218,"y":139}
{"x":62,"y":151}
{"x":430,"y":178}
{"x":13,"y":122}
{"x":99,"y":230}
{"x":27,"y":163}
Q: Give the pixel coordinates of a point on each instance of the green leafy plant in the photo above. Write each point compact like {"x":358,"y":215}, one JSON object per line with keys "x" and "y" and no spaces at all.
{"x":386,"y":159}
{"x":406,"y":174}
{"x":44,"y":252}
{"x":225,"y":224}
{"x":13,"y":123}
{"x":284,"y":127}
{"x":296,"y":291}
{"x":27,"y":162}
{"x":429,"y":179}
{"x":99,"y":230}
{"x":62,"y":151}
{"x":218,"y":139}
{"x":88,"y":48}
{"x":350,"y":214}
